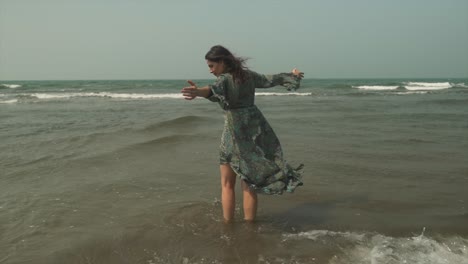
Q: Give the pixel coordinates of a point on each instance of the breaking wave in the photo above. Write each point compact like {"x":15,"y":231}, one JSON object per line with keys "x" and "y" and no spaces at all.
{"x":358,"y":247}
{"x":413,"y":86}
{"x":10,"y":86}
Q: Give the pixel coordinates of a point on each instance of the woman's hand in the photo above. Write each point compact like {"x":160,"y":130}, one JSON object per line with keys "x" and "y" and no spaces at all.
{"x":298,"y":73}
{"x":190,"y":92}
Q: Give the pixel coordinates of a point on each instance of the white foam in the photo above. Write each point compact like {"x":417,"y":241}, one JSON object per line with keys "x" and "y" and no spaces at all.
{"x":47,"y":96}
{"x":131,"y":96}
{"x":376,"y":248}
{"x":413,"y":92}
{"x":135,"y":95}
{"x":103,"y":94}
{"x":12,"y":101}
{"x":413,"y":86}
{"x":460,"y":85}
{"x":281,"y":94}
{"x":376,"y":87}
{"x":11,"y":86}
{"x":317,"y":235}
{"x":139,"y":96}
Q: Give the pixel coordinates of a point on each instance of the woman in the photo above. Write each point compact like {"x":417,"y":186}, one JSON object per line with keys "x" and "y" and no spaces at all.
{"x":249,"y":147}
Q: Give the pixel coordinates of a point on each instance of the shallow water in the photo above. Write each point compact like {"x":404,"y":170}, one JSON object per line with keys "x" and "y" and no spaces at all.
{"x":126,"y":172}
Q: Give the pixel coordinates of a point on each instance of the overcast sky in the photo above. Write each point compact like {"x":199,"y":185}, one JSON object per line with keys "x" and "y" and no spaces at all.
{"x":152,"y":39}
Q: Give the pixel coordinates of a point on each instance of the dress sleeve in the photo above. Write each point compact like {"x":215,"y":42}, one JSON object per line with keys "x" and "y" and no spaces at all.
{"x":286,"y":79}
{"x":221,"y":91}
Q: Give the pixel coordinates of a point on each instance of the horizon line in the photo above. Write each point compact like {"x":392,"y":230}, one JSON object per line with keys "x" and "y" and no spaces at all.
{"x":204,"y":79}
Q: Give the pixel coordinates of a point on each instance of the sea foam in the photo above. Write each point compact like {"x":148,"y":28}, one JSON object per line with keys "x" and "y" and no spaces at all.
{"x":11,"y":86}
{"x":104,"y":94}
{"x":12,"y":101}
{"x":281,"y":94}
{"x":355,"y":247}
{"x":412,"y":86}
{"x":128,"y":96}
{"x":376,"y":87}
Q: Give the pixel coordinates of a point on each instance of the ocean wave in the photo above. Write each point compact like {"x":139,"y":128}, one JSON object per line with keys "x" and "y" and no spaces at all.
{"x":458,"y":101}
{"x":171,"y":139}
{"x":126,"y":96}
{"x":360,"y":247}
{"x":103,"y":94}
{"x":377,"y":87}
{"x":413,"y":86}
{"x":179,"y":123}
{"x":410,"y":86}
{"x":339,"y":86}
{"x":412,"y":92}
{"x":10,"y":101}
{"x":281,"y":94}
{"x":460,"y":85}
{"x":10,"y":86}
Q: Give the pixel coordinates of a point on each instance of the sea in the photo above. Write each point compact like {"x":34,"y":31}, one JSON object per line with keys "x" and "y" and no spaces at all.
{"x":126,"y":171}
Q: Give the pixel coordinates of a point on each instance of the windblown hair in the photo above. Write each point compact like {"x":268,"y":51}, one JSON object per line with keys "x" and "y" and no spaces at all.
{"x":234,"y":65}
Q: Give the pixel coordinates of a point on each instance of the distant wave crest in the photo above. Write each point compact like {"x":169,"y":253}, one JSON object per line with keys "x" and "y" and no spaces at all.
{"x":414,"y":86}
{"x":282,"y":94}
{"x":460,"y":85}
{"x":122,"y":96}
{"x":10,"y":101}
{"x":376,"y":87}
{"x":24,"y":97}
{"x":411,"y":86}
{"x":104,"y":94}
{"x":11,"y":86}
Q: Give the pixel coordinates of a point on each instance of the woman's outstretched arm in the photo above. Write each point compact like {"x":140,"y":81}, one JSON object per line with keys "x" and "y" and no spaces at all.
{"x":289,"y":80}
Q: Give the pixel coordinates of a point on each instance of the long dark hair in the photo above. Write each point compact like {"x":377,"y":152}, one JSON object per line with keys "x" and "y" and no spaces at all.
{"x":234,"y":65}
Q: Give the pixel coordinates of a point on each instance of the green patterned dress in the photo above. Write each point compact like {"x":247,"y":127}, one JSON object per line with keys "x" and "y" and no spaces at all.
{"x":248,"y":142}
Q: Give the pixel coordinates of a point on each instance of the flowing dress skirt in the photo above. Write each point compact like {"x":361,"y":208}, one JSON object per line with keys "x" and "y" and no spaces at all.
{"x":252,"y":149}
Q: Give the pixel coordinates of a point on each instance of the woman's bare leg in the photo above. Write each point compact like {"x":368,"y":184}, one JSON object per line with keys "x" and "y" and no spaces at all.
{"x":250,"y":202}
{"x":228,"y":198}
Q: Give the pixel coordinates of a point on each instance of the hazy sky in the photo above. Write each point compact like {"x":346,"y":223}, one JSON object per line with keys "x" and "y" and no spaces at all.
{"x":152,"y":39}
